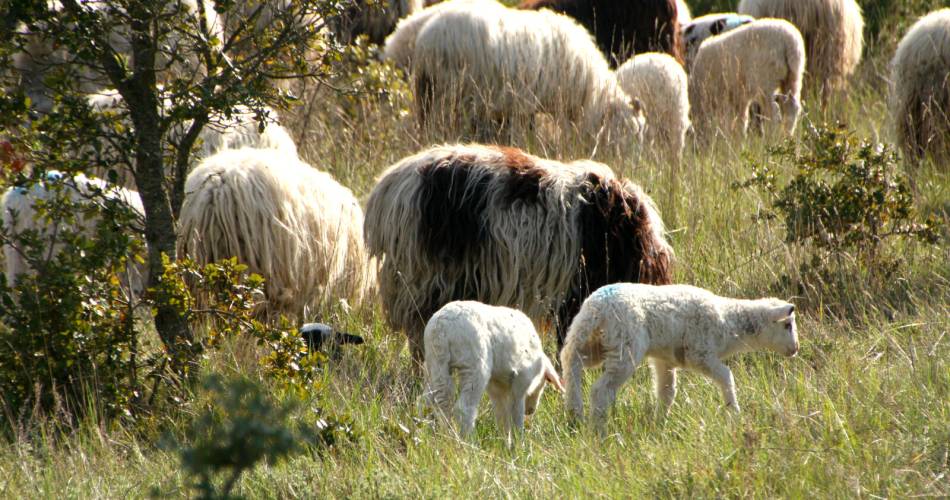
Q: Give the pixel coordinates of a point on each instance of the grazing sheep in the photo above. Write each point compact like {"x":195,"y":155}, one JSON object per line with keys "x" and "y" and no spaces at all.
{"x":239,"y":130}
{"x":833,"y":31}
{"x":703,"y":27}
{"x":40,"y":56}
{"x":920,"y":93}
{"x":502,"y":66}
{"x":493,"y":224}
{"x":374,"y":19}
{"x":760,"y":63}
{"x":490,"y":348}
{"x":676,"y":326}
{"x":401,"y":43}
{"x":288,"y":222}
{"x":20,"y":215}
{"x":623,"y":28}
{"x":661,"y":86}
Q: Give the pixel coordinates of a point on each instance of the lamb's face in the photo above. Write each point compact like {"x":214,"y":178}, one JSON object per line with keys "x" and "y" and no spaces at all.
{"x":531,"y":402}
{"x":781,"y":333}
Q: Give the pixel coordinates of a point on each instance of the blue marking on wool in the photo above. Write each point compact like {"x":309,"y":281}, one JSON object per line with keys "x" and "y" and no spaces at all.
{"x":608,"y":291}
{"x":736,"y":21}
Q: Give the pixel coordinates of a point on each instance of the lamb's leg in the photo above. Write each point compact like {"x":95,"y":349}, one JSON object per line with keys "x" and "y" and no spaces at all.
{"x":618,"y":368}
{"x":500,"y":406}
{"x":517,"y":417}
{"x":664,"y":377}
{"x":722,"y":375}
{"x":472,"y":385}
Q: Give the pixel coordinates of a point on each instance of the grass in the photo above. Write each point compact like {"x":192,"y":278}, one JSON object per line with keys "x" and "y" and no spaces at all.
{"x":864,"y":410}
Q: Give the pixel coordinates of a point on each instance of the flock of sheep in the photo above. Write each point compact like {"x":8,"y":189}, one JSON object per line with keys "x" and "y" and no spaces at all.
{"x":568,"y":244}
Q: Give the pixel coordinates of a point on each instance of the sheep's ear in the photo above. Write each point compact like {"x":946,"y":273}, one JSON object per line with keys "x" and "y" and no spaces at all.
{"x":552,"y":378}
{"x":783,"y":313}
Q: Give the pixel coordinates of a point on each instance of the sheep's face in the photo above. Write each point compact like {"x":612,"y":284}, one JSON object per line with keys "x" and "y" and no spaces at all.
{"x":780,"y":333}
{"x":550,"y":376}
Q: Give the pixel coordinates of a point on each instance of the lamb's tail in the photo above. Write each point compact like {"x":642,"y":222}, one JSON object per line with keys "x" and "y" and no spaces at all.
{"x":440,"y":387}
{"x":587,"y":321}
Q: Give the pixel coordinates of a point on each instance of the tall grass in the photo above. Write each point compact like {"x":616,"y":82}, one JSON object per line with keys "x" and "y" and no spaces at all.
{"x":862,"y":411}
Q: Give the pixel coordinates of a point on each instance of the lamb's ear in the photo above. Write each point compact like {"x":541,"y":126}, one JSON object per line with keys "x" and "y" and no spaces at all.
{"x":550,"y":375}
{"x":783,"y":312}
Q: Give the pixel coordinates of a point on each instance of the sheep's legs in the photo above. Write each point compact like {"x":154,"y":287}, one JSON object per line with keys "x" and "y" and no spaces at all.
{"x":618,"y":368}
{"x":665,"y":379}
{"x":472,"y":385}
{"x":722,"y":375}
{"x":500,"y":406}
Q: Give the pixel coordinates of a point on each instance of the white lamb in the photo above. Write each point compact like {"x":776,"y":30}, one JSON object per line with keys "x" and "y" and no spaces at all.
{"x":490,"y":348}
{"x":698,"y":30}
{"x":661,"y":85}
{"x":760,"y":63}
{"x":676,"y":326}
{"x":503,"y":66}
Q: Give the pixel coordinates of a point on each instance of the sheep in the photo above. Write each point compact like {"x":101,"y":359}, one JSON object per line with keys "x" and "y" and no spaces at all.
{"x":505,"y":65}
{"x":698,"y":30}
{"x":760,"y":63}
{"x":399,"y":45}
{"x":20,"y":215}
{"x":623,"y":28}
{"x":676,"y":326}
{"x":493,"y":224}
{"x":920,"y":88}
{"x":833,"y":31}
{"x":490,"y":348}
{"x":39,"y":56}
{"x":661,"y":86}
{"x":288,"y":222}
{"x":238,"y":130}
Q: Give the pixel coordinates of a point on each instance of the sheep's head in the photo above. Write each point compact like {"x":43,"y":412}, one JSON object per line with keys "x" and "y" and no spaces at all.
{"x":550,"y":376}
{"x":780,"y":334}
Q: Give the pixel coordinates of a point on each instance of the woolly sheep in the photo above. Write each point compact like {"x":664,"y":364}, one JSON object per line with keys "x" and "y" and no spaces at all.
{"x":833,"y":31}
{"x":676,"y":326}
{"x":288,"y":222}
{"x":623,"y":28}
{"x":920,"y":93}
{"x":401,"y":43}
{"x":493,"y":224}
{"x":20,"y":215}
{"x":661,"y":86}
{"x":505,"y":65}
{"x":698,"y":30}
{"x":760,"y":63}
{"x":490,"y":348}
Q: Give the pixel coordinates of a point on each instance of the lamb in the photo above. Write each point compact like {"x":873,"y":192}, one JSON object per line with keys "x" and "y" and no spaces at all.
{"x":623,"y":28}
{"x":767,"y":57}
{"x":676,"y":326}
{"x":493,"y":224}
{"x":288,"y":222}
{"x":661,"y":86}
{"x":20,"y":215}
{"x":833,"y":31}
{"x":490,"y":348}
{"x":703,"y":27}
{"x":502,"y":66}
{"x":920,"y":92}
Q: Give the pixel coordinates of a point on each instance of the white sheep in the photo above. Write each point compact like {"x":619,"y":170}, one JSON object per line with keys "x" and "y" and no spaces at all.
{"x":20,"y":215}
{"x":833,"y":31}
{"x":683,"y":14}
{"x":920,"y":92}
{"x":502,"y":66}
{"x":699,"y":29}
{"x":760,"y":63}
{"x":494,"y":349}
{"x":399,"y":45}
{"x":676,"y":326}
{"x":287,"y":221}
{"x":659,"y":82}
